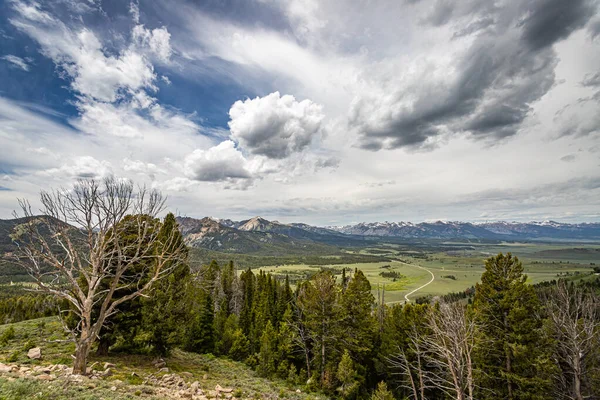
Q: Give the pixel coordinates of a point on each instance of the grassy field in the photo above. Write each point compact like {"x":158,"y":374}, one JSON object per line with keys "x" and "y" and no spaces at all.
{"x":455,"y":266}
{"x":130,"y":371}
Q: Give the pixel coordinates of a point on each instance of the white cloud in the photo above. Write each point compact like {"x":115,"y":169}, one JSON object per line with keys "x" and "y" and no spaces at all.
{"x":80,"y":167}
{"x":219,"y":163}
{"x":275,"y":126}
{"x":157,"y":40}
{"x":16,"y":61}
{"x":142,"y":168}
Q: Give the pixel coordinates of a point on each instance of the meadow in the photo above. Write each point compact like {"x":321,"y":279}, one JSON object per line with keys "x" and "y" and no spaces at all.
{"x":456,"y":266}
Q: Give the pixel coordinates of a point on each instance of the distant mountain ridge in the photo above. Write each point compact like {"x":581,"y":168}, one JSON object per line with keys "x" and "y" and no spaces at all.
{"x":467,"y":230}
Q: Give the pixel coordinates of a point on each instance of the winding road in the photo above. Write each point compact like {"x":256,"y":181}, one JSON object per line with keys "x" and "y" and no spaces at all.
{"x":406,"y":299}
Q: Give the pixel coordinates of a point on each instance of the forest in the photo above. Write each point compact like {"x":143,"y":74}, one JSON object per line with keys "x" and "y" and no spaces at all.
{"x":126,"y":286}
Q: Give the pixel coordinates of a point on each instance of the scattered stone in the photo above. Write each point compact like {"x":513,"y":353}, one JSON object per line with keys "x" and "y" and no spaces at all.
{"x":46,"y":377}
{"x":187,"y":374}
{"x":91,"y":367}
{"x":298,"y":391}
{"x":194,"y":387}
{"x":108,"y":365}
{"x":164,"y":369}
{"x":113,"y":388}
{"x":205,"y":376}
{"x":107,"y":372}
{"x":26,"y":369}
{"x":220,"y":389}
{"x":134,"y":374}
{"x":159,"y":363}
{"x":5,"y":368}
{"x":35,"y":353}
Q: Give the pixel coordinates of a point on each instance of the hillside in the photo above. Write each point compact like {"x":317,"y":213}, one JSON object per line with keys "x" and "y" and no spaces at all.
{"x":258,"y":235}
{"x":186,"y":375}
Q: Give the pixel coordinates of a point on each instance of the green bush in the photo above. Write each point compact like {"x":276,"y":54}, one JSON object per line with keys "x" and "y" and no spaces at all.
{"x":7,"y":335}
{"x":30,"y":344}
{"x":13,"y":357}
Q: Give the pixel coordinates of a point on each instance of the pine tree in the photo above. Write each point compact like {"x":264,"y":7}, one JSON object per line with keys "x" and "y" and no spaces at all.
{"x":358,"y":323}
{"x":268,"y":350}
{"x":318,"y":303}
{"x":510,"y":351}
{"x":347,"y":376}
{"x":382,"y":392}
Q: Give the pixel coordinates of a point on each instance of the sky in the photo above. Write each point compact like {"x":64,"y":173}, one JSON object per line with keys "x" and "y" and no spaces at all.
{"x":326,"y":112}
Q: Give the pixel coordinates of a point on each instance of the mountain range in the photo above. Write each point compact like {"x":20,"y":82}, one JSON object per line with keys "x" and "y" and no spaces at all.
{"x":221,"y":234}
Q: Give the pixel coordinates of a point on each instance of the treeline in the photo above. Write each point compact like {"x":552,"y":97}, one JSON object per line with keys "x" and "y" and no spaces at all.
{"x":19,"y":304}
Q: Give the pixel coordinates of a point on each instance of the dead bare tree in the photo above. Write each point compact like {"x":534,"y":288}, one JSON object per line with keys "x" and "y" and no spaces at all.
{"x":575,"y":316}
{"x":439,"y":357}
{"x":411,"y":366}
{"x":75,"y":251}
{"x":450,"y":348}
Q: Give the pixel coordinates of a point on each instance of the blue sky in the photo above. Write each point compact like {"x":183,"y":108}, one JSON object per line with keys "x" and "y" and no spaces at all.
{"x":325,"y":112}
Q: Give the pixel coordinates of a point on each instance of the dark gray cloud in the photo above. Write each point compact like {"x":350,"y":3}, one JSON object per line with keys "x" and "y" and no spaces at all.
{"x":548,"y":21}
{"x":509,"y":66}
{"x":591,"y":80}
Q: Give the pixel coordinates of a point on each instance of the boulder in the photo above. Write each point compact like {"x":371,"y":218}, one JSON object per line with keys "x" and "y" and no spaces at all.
{"x":5,"y":368}
{"x":35,"y":353}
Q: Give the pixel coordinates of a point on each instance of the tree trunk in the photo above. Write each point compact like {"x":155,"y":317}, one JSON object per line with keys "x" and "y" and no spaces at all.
{"x":103,"y":346}
{"x":577,"y":379}
{"x":508,"y":360}
{"x":81,"y":354}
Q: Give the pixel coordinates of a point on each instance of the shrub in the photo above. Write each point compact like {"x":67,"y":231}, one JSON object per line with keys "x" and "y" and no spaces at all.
{"x":8,"y":334}
{"x":13,"y":357}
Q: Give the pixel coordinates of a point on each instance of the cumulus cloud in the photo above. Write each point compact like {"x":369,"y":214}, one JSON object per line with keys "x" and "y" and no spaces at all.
{"x":219,"y":163}
{"x":486,"y":92}
{"x":275,"y":126}
{"x":16,"y":61}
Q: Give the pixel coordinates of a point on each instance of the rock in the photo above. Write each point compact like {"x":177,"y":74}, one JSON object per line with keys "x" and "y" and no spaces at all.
{"x":35,"y":353}
{"x":187,"y":374}
{"x":298,"y":391}
{"x":205,"y":376}
{"x":113,"y":388}
{"x":164,"y":369}
{"x":5,"y":368}
{"x":46,"y":377}
{"x":159,"y":363}
{"x":26,"y":369}
{"x":108,"y":365}
{"x":194,"y":387}
{"x":220,"y":389}
{"x":107,"y":372}
{"x":134,"y":374}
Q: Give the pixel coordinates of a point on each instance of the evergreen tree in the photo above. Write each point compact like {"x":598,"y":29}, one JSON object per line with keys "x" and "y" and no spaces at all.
{"x":382,"y":392}
{"x":268,"y":350}
{"x":358,"y":322}
{"x":347,"y":376}
{"x":510,"y":354}
{"x":318,"y":301}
